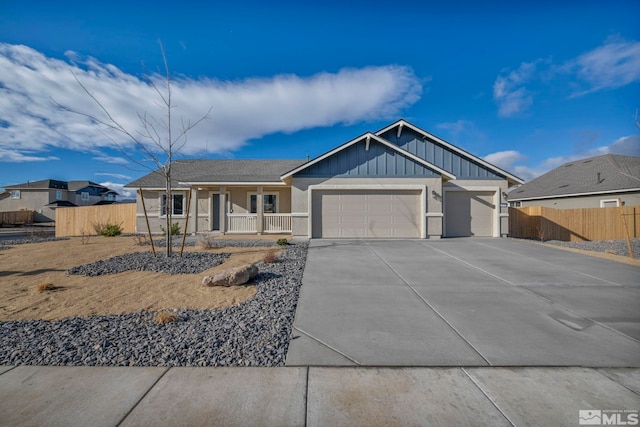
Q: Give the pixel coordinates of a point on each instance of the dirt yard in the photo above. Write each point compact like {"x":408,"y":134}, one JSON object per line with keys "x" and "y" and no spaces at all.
{"x":24,"y":267}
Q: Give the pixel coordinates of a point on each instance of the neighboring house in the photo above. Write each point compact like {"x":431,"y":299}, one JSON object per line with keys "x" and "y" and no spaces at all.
{"x":588,"y":183}
{"x":398,"y":182}
{"x":46,"y":195}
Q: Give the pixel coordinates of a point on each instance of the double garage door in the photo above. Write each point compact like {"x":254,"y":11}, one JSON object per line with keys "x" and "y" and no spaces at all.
{"x":469,"y":213}
{"x":366,"y":214}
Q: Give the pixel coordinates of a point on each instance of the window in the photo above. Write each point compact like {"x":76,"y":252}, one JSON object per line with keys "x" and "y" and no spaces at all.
{"x":84,"y":196}
{"x":609,"y":203}
{"x":178,"y":204}
{"x":516,"y":204}
{"x":15,"y":194}
{"x":269,"y":203}
{"x":110,"y":197}
{"x":58,"y":195}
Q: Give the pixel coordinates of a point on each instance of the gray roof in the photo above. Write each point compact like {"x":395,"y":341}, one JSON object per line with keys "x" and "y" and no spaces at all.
{"x":223,"y":171}
{"x":601,"y":174}
{"x":43,"y":184}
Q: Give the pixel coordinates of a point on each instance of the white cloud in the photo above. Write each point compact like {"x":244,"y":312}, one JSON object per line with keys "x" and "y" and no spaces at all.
{"x":9,"y":155}
{"x":625,"y":146}
{"x":123,"y":193}
{"x":510,"y":93}
{"x":114,"y":175}
{"x":614,"y":64}
{"x":241,"y":110}
{"x":112,"y":160}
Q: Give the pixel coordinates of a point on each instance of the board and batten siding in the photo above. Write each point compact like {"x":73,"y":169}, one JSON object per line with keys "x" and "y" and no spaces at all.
{"x":376,"y":161}
{"x":439,"y":155}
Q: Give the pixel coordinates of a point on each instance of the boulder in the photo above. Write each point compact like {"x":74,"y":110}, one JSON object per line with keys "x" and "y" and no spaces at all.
{"x":235,"y":276}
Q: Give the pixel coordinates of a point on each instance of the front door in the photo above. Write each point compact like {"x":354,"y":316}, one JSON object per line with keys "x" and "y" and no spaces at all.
{"x":215,"y":209}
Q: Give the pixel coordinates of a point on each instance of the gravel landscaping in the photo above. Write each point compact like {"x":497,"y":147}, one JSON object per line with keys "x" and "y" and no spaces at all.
{"x":616,"y":247}
{"x":253,"y":333}
{"x":189,"y":263}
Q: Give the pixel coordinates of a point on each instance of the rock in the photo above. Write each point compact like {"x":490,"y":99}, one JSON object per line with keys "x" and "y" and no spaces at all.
{"x":235,"y":276}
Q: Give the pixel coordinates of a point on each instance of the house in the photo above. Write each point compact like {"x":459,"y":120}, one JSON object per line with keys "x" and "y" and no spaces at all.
{"x":46,"y":195}
{"x":399,"y":182}
{"x":588,"y":183}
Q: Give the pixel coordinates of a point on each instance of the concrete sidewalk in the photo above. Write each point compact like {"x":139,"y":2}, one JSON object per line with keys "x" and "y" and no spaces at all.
{"x":313,"y":396}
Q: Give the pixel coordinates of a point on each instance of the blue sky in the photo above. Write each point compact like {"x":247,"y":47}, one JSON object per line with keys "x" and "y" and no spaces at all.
{"x":526,"y":86}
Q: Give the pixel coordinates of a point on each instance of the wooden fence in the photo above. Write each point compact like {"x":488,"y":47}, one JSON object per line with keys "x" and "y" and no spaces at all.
{"x":16,"y":217}
{"x":574,"y":225}
{"x":80,"y":220}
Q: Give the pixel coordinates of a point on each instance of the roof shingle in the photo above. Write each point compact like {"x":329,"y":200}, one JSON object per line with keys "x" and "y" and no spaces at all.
{"x":599,"y":174}
{"x":223,"y":171}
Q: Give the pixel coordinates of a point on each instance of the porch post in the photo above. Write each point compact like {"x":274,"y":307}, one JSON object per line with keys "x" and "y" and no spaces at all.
{"x":223,"y":210}
{"x":259,"y":210}
{"x":194,"y":209}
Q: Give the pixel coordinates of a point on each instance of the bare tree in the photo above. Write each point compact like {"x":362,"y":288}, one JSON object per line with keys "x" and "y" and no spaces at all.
{"x":156,"y":139}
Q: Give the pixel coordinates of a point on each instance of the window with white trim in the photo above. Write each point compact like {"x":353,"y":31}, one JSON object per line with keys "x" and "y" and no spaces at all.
{"x":269,"y":203}
{"x":15,"y":194}
{"x":110,"y":197}
{"x":177,"y":205}
{"x":84,"y":196}
{"x":609,"y":203}
{"x":58,"y":195}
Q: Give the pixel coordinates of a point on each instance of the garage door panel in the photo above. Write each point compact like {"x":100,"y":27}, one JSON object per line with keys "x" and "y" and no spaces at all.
{"x":469,"y":213}
{"x":366,"y":214}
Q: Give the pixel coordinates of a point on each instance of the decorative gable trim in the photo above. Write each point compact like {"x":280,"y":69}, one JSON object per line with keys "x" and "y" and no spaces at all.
{"x":402,"y":123}
{"x":369,"y":137}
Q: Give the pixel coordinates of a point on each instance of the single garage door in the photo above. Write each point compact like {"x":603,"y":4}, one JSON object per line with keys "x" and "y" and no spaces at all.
{"x":366,"y":214}
{"x":469,"y":213}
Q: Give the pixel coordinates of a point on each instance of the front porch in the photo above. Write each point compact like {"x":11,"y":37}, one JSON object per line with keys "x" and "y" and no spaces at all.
{"x":237,"y":209}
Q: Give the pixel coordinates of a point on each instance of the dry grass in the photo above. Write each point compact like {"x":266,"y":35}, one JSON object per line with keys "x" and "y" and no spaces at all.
{"x":166,"y":317}
{"x":271,"y":256}
{"x":25,"y":266}
{"x":208,"y":243}
{"x":45,"y":286}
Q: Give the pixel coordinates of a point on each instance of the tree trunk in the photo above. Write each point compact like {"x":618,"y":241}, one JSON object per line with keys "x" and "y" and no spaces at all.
{"x":169,"y":205}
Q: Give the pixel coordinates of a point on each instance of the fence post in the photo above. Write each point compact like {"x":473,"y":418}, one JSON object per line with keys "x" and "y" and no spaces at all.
{"x":626,"y":229}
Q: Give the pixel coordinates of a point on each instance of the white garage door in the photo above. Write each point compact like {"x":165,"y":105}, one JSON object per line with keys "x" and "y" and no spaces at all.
{"x":469,"y":213}
{"x":366,"y":214}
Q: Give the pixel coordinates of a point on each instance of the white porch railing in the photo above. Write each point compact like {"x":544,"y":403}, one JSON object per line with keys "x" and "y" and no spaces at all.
{"x":248,"y":223}
{"x":276,"y":223}
{"x":242,"y":223}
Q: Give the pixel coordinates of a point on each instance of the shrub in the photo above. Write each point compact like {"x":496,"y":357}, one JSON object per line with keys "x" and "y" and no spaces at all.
{"x":270,"y":257}
{"x":209,"y":243}
{"x":175,"y":229}
{"x":282,"y":242}
{"x":108,"y":229}
{"x":45,"y":286}
{"x":140,"y":240}
{"x":166,"y":317}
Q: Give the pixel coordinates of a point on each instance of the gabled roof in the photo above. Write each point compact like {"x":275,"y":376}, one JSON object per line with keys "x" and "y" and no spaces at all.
{"x":403,"y":123}
{"x":43,"y":184}
{"x":371,"y":137}
{"x":609,"y":173}
{"x":188,"y":172}
{"x":47,"y":184}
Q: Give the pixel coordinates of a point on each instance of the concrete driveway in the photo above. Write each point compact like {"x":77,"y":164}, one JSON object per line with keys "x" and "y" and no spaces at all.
{"x":464,"y":302}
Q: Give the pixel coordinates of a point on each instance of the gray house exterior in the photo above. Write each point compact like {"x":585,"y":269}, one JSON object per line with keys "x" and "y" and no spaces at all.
{"x":595,"y":182}
{"x":45,"y":196}
{"x":399,"y":182}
